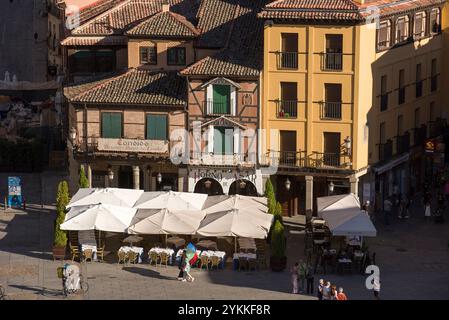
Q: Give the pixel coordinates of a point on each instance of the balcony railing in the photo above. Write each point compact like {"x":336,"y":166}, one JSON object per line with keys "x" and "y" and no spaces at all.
{"x":320,"y":160}
{"x":401,"y":95}
{"x":217,"y":108}
{"x":287,"y":60}
{"x":419,"y":85}
{"x":403,"y":143}
{"x":386,"y":151}
{"x":286,"y":109}
{"x":287,"y":158}
{"x":332,"y":62}
{"x":331,"y":110}
{"x":383,"y":102}
{"x":434,"y":83}
{"x":206,"y":158}
{"x":300,"y":159}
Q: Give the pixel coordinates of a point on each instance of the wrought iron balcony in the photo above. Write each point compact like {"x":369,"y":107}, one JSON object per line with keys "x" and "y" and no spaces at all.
{"x":286,"y":109}
{"x":287,"y":158}
{"x":214,"y":108}
{"x":331,"y":110}
{"x":332,"y":62}
{"x":300,"y":159}
{"x":287,"y":60}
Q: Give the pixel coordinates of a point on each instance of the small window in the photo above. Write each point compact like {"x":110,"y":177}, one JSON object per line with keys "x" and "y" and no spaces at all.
{"x":148,"y":55}
{"x":435,"y":24}
{"x":157,"y":127}
{"x":223,"y":140}
{"x":402,"y":32}
{"x":383,"y":35}
{"x":420,"y":25}
{"x":111,"y":125}
{"x":176,"y":56}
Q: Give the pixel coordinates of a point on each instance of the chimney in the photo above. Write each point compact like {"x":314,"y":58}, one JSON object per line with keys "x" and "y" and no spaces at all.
{"x":165,"y":6}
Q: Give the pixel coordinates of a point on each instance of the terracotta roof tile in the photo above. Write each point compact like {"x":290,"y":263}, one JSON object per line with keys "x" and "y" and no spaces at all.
{"x":133,"y":87}
{"x":165,"y":24}
{"x":95,"y":41}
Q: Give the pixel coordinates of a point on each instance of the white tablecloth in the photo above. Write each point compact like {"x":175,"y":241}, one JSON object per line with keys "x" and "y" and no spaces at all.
{"x":210,"y":253}
{"x":138,"y":250}
{"x":90,"y":247}
{"x":244,"y":255}
{"x":160,"y":250}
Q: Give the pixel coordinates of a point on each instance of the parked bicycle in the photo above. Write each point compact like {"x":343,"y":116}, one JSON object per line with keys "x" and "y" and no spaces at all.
{"x":72,"y":281}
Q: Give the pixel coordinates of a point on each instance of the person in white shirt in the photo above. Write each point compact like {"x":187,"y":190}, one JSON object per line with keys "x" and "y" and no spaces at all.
{"x":327,"y":291}
{"x":376,"y":287}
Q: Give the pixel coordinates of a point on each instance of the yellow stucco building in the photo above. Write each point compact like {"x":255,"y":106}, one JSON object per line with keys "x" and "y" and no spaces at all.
{"x":350,"y":92}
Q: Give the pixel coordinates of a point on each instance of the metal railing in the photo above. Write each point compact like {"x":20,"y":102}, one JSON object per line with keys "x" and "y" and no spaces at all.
{"x":332,"y":61}
{"x":383,"y":102}
{"x":331,"y":110}
{"x":325,"y":159}
{"x":419,"y":85}
{"x":286,"y":109}
{"x":401,"y":95}
{"x":287,"y":60}
{"x":210,"y":106}
{"x":287,"y":158}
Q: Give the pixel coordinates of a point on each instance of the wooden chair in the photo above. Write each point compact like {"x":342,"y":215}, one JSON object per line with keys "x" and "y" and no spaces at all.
{"x":164,"y":259}
{"x":261,"y":261}
{"x":252,"y":264}
{"x":243,"y":264}
{"x":87,"y":255}
{"x":100,"y":253}
{"x":132,"y":257}
{"x":75,"y":252}
{"x":153,"y":258}
{"x":214,"y":262}
{"x":204,"y":262}
{"x":122,"y":257}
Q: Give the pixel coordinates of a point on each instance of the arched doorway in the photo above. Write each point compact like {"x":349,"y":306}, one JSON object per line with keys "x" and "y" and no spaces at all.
{"x":208,"y":186}
{"x":243,"y":187}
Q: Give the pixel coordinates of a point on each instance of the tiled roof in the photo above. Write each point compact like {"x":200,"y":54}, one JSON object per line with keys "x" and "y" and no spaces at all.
{"x":340,"y":9}
{"x":165,"y":24}
{"x":134,"y":87}
{"x":243,"y":54}
{"x":96,"y":9}
{"x":95,"y":41}
{"x":311,"y":10}
{"x":129,"y":13}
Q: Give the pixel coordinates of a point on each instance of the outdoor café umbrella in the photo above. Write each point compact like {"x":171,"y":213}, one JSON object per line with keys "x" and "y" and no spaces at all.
{"x":172,"y":201}
{"x":111,"y":196}
{"x":102,"y":217}
{"x":132,"y":239}
{"x":164,"y":221}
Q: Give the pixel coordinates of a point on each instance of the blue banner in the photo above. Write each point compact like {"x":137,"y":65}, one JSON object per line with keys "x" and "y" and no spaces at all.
{"x":14,"y":191}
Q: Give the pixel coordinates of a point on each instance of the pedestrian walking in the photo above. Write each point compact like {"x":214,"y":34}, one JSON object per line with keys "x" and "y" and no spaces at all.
{"x":187,"y":275}
{"x":327,"y":291}
{"x":320,"y":289}
{"x":376,"y":287}
{"x":294,"y":274}
{"x":181,"y":265}
{"x":341,"y":295}
{"x":334,"y":292}
{"x":387,"y":210}
{"x":310,"y":278}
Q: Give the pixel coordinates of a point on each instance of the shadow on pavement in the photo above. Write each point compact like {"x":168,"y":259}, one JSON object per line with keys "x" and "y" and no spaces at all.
{"x":147,"y":273}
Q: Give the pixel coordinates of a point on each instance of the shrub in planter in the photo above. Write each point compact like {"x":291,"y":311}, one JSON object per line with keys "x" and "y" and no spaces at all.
{"x":269,"y":193}
{"x":60,"y":238}
{"x":83,"y":181}
{"x":278,"y":260}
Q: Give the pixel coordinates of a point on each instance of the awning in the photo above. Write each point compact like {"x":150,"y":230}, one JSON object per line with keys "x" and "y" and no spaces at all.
{"x":391,"y":164}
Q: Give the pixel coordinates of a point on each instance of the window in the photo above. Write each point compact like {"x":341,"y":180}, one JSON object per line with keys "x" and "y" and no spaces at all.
{"x":420,"y":25}
{"x":148,"y":55}
{"x":383,"y":35}
{"x":401,"y":87}
{"x":383,"y":93}
{"x":223,"y":140}
{"x":432,"y":111}
{"x":434,"y":76}
{"x":332,"y":104}
{"x":402,"y":32}
{"x":156,"y":127}
{"x":417,"y":118}
{"x":92,"y":61}
{"x":221,"y":98}
{"x":288,"y":58}
{"x":382,"y":137}
{"x":288,"y":107}
{"x":435,"y":24}
{"x":334,"y":52}
{"x":111,"y":125}
{"x":400,"y":125}
{"x":176,"y":56}
{"x":419,"y":81}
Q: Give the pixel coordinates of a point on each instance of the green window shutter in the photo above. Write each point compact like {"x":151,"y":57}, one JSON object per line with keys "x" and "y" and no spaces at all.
{"x":221,"y":99}
{"x":223,"y":144}
{"x":111,"y":124}
{"x":229,"y":141}
{"x":156,"y":127}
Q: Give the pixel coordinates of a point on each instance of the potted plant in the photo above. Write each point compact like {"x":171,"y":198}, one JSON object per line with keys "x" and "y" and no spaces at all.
{"x":278,"y":260}
{"x":60,"y":239}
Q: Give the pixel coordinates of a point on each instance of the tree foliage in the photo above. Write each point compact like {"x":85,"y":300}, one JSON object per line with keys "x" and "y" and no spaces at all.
{"x":62,"y":200}
{"x":83,"y":181}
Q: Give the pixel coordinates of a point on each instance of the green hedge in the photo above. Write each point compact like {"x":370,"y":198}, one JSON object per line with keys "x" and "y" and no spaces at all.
{"x":62,"y":200}
{"x":278,"y":242}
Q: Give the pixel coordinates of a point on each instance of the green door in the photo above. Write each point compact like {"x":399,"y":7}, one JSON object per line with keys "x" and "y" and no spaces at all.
{"x":221,"y":99}
{"x":111,"y":125}
{"x":156,"y":127}
{"x":223,"y":144}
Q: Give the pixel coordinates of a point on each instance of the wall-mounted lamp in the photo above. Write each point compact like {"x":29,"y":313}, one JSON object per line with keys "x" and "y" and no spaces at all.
{"x":287,"y":184}
{"x":110,"y":173}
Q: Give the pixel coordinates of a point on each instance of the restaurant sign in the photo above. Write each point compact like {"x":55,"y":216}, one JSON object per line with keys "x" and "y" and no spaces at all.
{"x":132,"y":145}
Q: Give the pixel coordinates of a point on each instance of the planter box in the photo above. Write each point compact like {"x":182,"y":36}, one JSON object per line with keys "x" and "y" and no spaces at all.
{"x":278,"y":264}
{"x":59,"y":253}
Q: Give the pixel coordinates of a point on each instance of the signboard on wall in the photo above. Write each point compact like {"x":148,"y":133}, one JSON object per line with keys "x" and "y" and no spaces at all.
{"x":132,"y":145}
{"x":14,"y":191}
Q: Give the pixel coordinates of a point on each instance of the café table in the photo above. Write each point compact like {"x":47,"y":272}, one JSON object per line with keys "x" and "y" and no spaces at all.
{"x":138,"y":250}
{"x":235,"y":258}
{"x":90,"y":246}
{"x":168,"y":251}
{"x":219,"y":254}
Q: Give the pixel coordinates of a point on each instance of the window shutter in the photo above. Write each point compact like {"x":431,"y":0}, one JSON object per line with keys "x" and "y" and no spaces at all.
{"x":156,"y":127}
{"x":219,"y":140}
{"x":210,"y":141}
{"x":236,"y":141}
{"x":233,"y":101}
{"x":221,"y":98}
{"x":209,"y":99}
{"x":111,"y":124}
